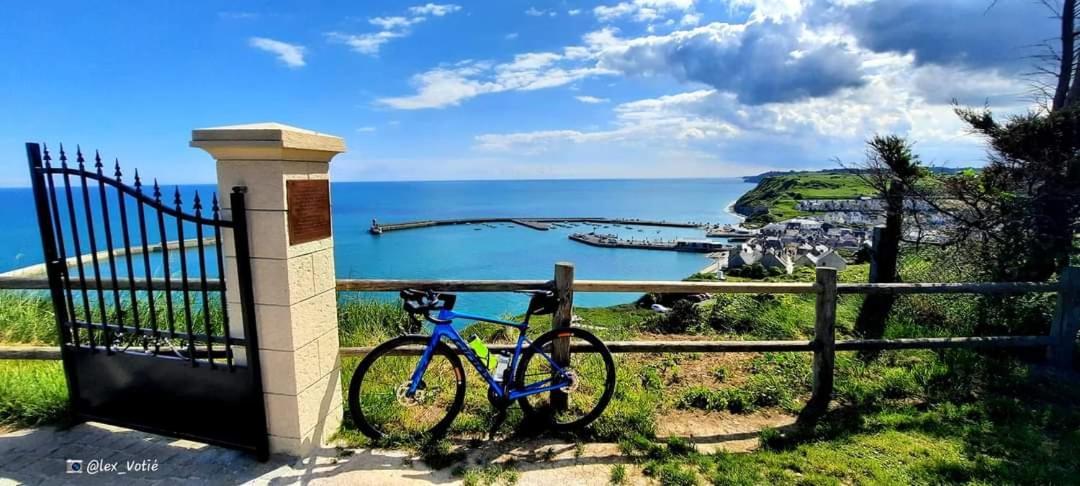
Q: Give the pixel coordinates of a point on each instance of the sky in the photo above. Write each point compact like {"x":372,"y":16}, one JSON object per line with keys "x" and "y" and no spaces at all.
{"x":515,"y":89}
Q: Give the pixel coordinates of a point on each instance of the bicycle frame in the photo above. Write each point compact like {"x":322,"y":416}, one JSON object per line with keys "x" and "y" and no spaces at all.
{"x":503,"y":390}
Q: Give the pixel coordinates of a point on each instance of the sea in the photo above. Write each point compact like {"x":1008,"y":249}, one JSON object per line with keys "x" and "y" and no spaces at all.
{"x":481,"y":251}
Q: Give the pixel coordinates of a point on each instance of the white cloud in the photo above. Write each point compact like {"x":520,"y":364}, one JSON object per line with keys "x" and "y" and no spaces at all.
{"x":391,"y":23}
{"x":535,"y":12}
{"x":776,"y":10}
{"x":643,"y":10}
{"x":367,"y":129}
{"x":807,"y":90}
{"x":436,"y":10}
{"x":690,"y":19}
{"x":365,"y":43}
{"x":797,"y":133}
{"x":663,"y":121}
{"x":574,"y":11}
{"x":391,"y":27}
{"x":785,"y":88}
{"x":511,"y":36}
{"x":450,"y":85}
{"x":789,"y":62}
{"x":290,"y":54}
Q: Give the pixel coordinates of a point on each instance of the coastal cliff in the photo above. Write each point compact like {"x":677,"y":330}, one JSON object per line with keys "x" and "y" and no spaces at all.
{"x":775,"y":196}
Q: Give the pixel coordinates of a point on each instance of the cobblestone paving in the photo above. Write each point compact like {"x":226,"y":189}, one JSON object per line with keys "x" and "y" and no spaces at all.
{"x":39,"y":456}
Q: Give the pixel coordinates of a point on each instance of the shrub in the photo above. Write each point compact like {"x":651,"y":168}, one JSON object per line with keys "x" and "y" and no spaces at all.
{"x":671,"y":474}
{"x":703,"y":398}
{"x":732,"y":313}
{"x":651,"y":379}
{"x":618,"y":474}
{"x":684,"y":316}
{"x":680,"y":446}
{"x":754,"y":270}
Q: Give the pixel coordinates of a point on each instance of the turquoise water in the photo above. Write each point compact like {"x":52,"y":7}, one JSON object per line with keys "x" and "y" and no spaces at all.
{"x":503,"y":251}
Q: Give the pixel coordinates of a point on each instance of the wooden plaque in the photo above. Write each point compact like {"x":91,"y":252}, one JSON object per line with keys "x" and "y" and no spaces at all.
{"x":309,"y":210}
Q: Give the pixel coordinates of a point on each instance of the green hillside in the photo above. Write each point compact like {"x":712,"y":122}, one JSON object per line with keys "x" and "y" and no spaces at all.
{"x":775,"y":197}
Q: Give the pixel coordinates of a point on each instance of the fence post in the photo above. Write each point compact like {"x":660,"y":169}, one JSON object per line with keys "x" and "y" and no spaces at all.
{"x":824,"y":345}
{"x":560,"y":352}
{"x":1066,"y":322}
{"x":290,"y":249}
{"x":875,"y":241}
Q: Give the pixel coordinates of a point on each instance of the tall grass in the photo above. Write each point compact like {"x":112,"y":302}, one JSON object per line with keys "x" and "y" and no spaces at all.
{"x":31,"y":392}
{"x":27,"y":318}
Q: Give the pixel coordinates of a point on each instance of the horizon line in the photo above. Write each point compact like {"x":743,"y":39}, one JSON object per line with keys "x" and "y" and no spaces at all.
{"x":480,"y":180}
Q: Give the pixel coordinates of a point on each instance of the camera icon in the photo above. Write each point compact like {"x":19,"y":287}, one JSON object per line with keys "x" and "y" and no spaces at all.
{"x":74,"y":466}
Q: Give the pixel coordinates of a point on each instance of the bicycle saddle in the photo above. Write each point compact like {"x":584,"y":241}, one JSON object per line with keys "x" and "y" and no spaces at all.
{"x":542,"y":302}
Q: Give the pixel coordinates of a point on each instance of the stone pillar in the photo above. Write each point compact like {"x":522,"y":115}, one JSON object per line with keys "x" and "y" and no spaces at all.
{"x":295,"y":300}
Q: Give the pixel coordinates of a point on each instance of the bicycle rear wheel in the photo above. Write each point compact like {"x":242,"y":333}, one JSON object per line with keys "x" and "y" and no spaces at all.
{"x":378,"y":402}
{"x":591,"y":384}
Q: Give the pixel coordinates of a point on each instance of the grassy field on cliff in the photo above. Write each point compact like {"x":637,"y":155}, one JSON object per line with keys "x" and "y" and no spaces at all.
{"x":775,"y":197}
{"x":907,"y":417}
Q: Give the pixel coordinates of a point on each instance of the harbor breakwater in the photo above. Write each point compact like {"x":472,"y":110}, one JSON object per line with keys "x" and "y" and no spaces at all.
{"x":540,"y":224}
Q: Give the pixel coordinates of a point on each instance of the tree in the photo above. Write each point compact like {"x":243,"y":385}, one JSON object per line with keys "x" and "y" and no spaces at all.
{"x":1067,"y":92}
{"x":893,"y":170}
{"x":1018,"y":216}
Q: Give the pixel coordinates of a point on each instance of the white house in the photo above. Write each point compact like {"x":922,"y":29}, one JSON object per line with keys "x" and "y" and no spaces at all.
{"x":771,"y":260}
{"x":833,"y":260}
{"x":827,"y":259}
{"x":746,"y":256}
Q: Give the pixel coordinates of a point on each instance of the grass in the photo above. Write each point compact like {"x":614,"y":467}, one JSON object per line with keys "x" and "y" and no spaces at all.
{"x":31,"y":393}
{"x":26,"y":318}
{"x":489,"y":475}
{"x":907,"y":417}
{"x":1024,"y":433}
{"x":618,"y":474}
{"x":775,"y":198}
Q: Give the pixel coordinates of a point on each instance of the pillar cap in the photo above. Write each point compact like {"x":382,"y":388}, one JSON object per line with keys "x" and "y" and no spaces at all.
{"x":267,"y":141}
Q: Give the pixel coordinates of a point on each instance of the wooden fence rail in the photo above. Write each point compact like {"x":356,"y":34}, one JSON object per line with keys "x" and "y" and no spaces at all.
{"x":1060,"y":343}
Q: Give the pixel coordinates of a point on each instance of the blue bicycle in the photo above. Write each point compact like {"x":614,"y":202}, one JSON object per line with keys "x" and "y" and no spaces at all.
{"x":414,"y":385}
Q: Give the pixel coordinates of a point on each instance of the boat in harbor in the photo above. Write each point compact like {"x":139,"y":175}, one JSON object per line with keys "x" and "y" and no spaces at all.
{"x":728,"y":231}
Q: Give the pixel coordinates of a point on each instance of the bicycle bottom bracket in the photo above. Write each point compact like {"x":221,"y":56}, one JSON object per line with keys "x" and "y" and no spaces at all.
{"x":404,"y":398}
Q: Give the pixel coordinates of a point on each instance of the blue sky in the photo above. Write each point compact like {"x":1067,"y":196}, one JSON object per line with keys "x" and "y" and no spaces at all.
{"x":514,"y":89}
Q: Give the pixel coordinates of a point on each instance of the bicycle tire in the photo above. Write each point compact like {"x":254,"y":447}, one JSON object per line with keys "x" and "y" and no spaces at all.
{"x":355,"y":385}
{"x":609,"y":380}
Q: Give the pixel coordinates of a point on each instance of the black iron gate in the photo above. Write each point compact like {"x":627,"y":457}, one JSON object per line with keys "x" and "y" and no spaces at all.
{"x":143,"y":322}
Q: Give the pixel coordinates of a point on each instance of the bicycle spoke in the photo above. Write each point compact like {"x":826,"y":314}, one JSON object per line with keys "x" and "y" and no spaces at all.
{"x":384,"y":401}
{"x":584,"y":392}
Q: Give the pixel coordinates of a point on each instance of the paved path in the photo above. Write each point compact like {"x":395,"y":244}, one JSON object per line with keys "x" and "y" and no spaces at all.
{"x":39,"y":456}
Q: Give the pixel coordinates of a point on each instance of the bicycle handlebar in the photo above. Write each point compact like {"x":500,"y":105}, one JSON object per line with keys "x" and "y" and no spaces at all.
{"x":424,"y":302}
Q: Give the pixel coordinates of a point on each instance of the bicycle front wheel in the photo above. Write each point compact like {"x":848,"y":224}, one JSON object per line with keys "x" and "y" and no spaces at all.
{"x":589,"y":378}
{"x":378,"y":398}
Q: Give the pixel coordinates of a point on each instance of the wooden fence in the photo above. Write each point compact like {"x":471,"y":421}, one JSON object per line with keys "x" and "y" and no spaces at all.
{"x":1060,"y":343}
